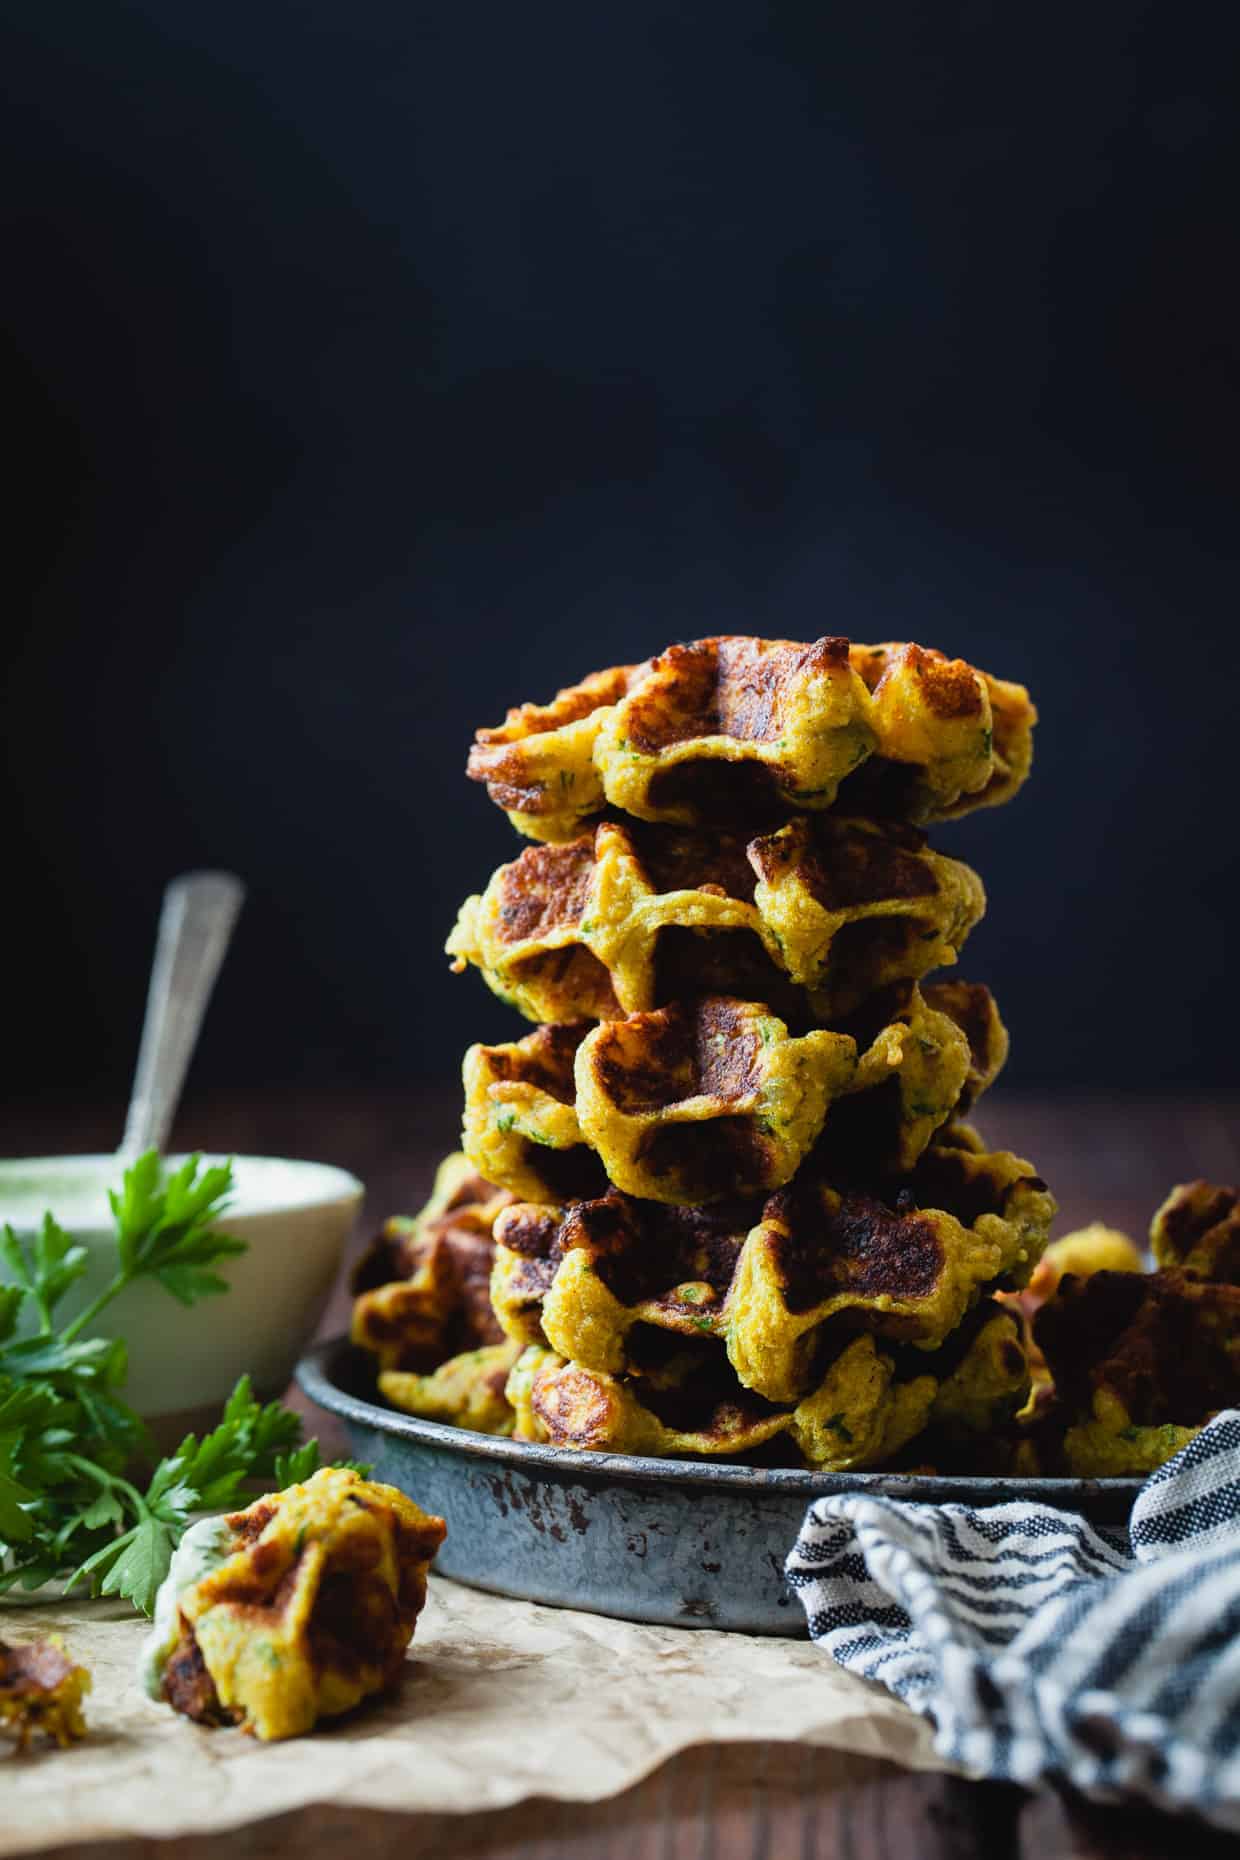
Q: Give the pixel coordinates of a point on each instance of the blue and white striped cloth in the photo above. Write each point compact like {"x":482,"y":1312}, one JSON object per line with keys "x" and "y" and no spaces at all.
{"x":1043,"y":1648}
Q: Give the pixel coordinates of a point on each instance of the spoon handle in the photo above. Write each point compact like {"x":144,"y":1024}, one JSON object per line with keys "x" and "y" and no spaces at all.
{"x":195,"y":925}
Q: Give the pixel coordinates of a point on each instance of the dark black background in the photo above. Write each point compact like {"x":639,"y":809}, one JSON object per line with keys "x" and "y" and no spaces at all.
{"x":371,"y":367}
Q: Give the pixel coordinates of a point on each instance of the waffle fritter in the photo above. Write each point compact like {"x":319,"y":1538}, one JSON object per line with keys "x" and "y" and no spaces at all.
{"x":715,"y":1098}
{"x":855,"y":904}
{"x":1095,"y":1248}
{"x":1197,"y":1229}
{"x":1140,"y":1362}
{"x":706,"y":1099}
{"x":421,"y":1291}
{"x":538,"y":764}
{"x":610,"y":1284}
{"x":308,"y":1608}
{"x":870,"y":1400}
{"x":41,"y":1692}
{"x":465,"y":1391}
{"x":521,"y":1127}
{"x":735,"y":725}
{"x":909,"y":1263}
{"x":810,"y":919}
{"x":925,"y":1055}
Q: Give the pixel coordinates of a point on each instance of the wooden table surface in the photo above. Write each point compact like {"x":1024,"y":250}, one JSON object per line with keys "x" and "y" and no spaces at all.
{"x":1107,"y":1158}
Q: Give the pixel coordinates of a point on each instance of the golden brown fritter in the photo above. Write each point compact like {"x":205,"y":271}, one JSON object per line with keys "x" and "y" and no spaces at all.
{"x":1095,"y":1248}
{"x":915,"y":1071}
{"x":466,"y":1390}
{"x":716,"y":1097}
{"x":538,"y":764}
{"x":710,"y":1098}
{"x":41,"y":1692}
{"x":869,"y":1401}
{"x":1197,"y":1229}
{"x":972,"y":1008}
{"x":809,"y":920}
{"x":307,"y":1605}
{"x":853,"y":905}
{"x":521,"y":1127}
{"x":1140,"y":1362}
{"x":600,"y":1280}
{"x":735,"y":727}
{"x":422,"y":1288}
{"x":917,"y":691}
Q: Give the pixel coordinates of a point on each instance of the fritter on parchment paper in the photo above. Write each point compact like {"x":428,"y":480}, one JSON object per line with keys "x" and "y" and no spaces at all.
{"x":293,"y":1610}
{"x":41,"y":1692}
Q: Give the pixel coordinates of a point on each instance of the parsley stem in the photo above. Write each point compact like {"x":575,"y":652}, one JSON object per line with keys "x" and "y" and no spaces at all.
{"x":100,"y":1477}
{"x":95,"y":1306}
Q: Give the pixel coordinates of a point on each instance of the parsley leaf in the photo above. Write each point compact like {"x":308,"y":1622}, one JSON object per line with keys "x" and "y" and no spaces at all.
{"x":68,"y":1437}
{"x":15,"y":1522}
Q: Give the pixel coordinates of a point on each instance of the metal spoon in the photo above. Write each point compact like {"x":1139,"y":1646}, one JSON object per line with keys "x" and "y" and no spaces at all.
{"x":195,"y":927}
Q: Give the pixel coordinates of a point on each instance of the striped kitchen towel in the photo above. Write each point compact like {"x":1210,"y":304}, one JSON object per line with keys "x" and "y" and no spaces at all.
{"x":1043,"y":1648}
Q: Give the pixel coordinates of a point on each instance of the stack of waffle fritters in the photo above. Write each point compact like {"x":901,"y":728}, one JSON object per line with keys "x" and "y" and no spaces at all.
{"x":721,"y":1200}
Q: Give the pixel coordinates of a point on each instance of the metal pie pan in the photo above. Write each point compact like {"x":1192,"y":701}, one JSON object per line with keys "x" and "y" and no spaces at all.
{"x":685,"y":1543}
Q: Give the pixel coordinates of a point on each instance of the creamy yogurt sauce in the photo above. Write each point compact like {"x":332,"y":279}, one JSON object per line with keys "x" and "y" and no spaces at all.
{"x":203,"y":1548}
{"x":75,"y":1188}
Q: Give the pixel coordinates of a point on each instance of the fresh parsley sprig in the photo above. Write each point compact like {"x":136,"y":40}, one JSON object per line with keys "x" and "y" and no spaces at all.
{"x":67,"y":1436}
{"x":252,"y":1442}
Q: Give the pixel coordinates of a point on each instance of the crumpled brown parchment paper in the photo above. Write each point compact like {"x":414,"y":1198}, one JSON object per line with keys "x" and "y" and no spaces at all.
{"x":501,"y":1700}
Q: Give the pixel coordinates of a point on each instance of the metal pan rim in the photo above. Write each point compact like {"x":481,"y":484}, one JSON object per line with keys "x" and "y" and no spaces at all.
{"x":317,"y":1376}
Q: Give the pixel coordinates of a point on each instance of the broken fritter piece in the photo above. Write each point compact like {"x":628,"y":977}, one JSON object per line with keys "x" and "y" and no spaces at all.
{"x":293,"y":1610}
{"x":41,"y":1692}
{"x":1090,"y":1249}
{"x":1197,"y":1230}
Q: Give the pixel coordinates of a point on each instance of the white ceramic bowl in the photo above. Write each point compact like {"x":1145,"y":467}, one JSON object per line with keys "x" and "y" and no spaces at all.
{"x":294,"y":1217}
